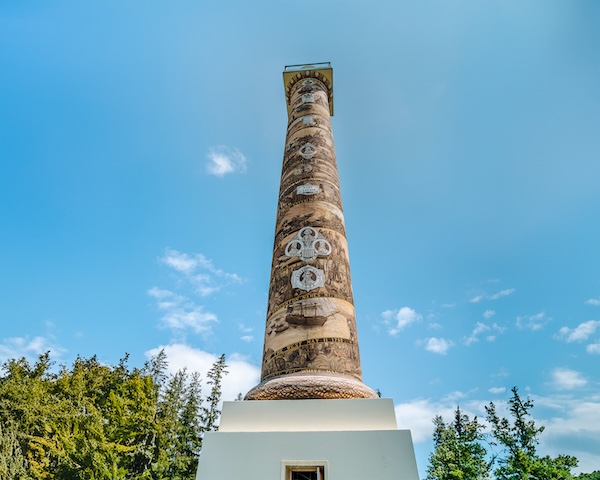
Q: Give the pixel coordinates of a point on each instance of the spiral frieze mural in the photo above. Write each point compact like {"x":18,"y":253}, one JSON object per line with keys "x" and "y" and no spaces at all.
{"x":311,"y":344}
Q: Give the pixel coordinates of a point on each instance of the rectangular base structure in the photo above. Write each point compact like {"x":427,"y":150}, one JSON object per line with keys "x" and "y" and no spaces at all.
{"x":308,"y":439}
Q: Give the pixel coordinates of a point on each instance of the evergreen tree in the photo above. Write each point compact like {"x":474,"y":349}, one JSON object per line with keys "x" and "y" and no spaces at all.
{"x":98,"y":422}
{"x":211,"y":411}
{"x":458,"y":453}
{"x":191,"y":429}
{"x":518,"y":439}
{"x":13,"y":465}
{"x":595,"y":475}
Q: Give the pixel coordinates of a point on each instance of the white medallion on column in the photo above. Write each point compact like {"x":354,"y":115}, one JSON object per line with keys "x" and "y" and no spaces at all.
{"x":308,"y":245}
{"x":307,"y":189}
{"x":307,"y":151}
{"x":309,"y":121}
{"x":308,"y":278}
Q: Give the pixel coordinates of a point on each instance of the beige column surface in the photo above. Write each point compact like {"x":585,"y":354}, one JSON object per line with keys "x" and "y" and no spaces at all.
{"x":311,"y":345}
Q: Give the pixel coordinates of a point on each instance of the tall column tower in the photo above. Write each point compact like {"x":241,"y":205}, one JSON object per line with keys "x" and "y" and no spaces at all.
{"x":316,"y":419}
{"x":311,"y":345}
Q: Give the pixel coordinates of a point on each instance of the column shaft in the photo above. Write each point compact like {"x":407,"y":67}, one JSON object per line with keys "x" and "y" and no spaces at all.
{"x":311,"y":345}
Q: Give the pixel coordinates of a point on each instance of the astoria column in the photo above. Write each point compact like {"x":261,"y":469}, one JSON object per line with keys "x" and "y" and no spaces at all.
{"x":311,"y":344}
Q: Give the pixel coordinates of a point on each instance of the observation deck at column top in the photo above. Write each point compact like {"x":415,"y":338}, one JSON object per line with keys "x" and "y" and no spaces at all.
{"x":320,"y":71}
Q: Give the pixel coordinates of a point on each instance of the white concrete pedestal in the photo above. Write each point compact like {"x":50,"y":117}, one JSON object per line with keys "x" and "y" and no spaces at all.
{"x":351,"y":440}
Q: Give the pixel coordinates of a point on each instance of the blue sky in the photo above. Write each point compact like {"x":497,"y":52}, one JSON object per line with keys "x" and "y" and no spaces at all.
{"x":140,"y":152}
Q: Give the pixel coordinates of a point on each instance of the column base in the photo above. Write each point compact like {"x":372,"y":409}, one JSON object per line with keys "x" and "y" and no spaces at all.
{"x":305,"y":385}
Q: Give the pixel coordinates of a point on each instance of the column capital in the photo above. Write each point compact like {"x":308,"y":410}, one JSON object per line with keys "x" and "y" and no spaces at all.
{"x":323,"y":72}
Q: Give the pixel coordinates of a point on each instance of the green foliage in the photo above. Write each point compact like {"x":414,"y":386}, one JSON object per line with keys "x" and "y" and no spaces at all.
{"x":458,"y":453}
{"x":211,"y":412}
{"x":96,"y":422}
{"x":518,"y":439}
{"x":595,"y":475}
{"x":12,"y":462}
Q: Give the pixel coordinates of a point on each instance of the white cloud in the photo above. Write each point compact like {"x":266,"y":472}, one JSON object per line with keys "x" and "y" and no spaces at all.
{"x":30,"y":348}
{"x":593,"y":348}
{"x":454,"y":397}
{"x":573,"y":429}
{"x":489,"y":314}
{"x":246,"y":331}
{"x":498,"y":328}
{"x":241,"y":377}
{"x":580,"y":333}
{"x":567,"y":379}
{"x":194,"y":318}
{"x":494,"y":296}
{"x":572,"y":425}
{"x":196,"y":275}
{"x":481,"y":328}
{"x":497,"y":390}
{"x":400,"y":319}
{"x":593,"y":301}
{"x":198,"y":271}
{"x":182,"y":262}
{"x":474,"y":337}
{"x":533,"y":322}
{"x":180,"y":313}
{"x":417,"y":415}
{"x":438,"y":345}
{"x":502,"y":293}
{"x":223,"y":160}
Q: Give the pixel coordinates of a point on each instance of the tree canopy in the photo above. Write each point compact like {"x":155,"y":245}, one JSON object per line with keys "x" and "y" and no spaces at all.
{"x":94,"y":421}
{"x":518,"y":439}
{"x":458,"y":453}
{"x":464,"y":451}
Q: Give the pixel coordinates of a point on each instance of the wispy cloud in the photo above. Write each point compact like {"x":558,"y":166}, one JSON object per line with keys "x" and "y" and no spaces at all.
{"x":567,"y":379}
{"x":488,"y":314}
{"x":593,"y":348}
{"x":533,"y":322}
{"x":593,"y":301}
{"x":578,"y":334}
{"x":224,"y":160}
{"x":181,"y":313}
{"x":497,"y":390}
{"x":438,"y":345}
{"x":482,"y":328}
{"x":397,"y":320}
{"x":493,"y":296}
{"x":198,"y":271}
{"x":246,"y":331}
{"x":29,"y":348}
{"x":195,"y":275}
{"x":456,"y":396}
{"x":502,"y":293}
